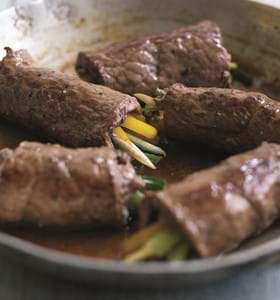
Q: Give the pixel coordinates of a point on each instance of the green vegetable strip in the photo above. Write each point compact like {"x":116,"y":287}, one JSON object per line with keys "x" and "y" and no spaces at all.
{"x":136,"y":199}
{"x":133,"y":151}
{"x":156,"y":247}
{"x":180,"y":252}
{"x":153,"y":157}
{"x":153,"y":183}
{"x":160,"y":94}
{"x":242,"y":77}
{"x":139,"y":238}
{"x":233,"y":66}
{"x":147,"y":109}
{"x":148,"y":147}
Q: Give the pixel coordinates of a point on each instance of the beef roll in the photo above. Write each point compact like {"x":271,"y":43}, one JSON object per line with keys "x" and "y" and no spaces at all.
{"x":60,"y":107}
{"x":220,"y":207}
{"x":226,"y":119}
{"x":192,"y":55}
{"x":49,"y":185}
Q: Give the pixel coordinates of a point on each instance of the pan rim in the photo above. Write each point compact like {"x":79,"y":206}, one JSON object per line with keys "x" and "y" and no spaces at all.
{"x":58,"y":258}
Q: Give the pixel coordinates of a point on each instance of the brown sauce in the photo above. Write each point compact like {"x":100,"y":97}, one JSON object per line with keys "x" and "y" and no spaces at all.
{"x":181,"y":161}
{"x":91,"y":243}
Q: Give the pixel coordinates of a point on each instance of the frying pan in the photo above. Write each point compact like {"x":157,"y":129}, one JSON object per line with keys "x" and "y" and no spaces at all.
{"x":54,"y":31}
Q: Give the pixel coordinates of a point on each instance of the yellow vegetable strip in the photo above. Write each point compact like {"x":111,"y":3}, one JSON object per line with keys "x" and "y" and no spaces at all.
{"x":139,"y":238}
{"x":180,"y":252}
{"x":133,"y":151}
{"x":158,"y":246}
{"x":233,"y":66}
{"x":140,"y":127}
{"x":145,"y":99}
{"x":120,"y":133}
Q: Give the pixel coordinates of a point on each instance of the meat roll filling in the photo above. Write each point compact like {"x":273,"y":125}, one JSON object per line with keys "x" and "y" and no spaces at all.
{"x":191,"y":55}
{"x":49,"y":185}
{"x":218,"y":208}
{"x":67,"y":110}
{"x":58,"y":106}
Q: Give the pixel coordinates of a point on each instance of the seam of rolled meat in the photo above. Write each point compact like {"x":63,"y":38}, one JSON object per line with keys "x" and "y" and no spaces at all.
{"x":191,"y":55}
{"x":50,"y":185}
{"x":226,"y":119}
{"x":59,"y":106}
{"x":220,"y":207}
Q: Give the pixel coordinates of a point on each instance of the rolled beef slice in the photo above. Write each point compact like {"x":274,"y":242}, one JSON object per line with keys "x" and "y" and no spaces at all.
{"x":49,"y":185}
{"x":192,"y":55}
{"x":220,"y":207}
{"x":58,"y":106}
{"x":226,"y":119}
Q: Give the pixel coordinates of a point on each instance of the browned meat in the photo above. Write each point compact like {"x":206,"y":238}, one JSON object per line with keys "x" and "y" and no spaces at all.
{"x":226,"y":119}
{"x":50,"y":185}
{"x":58,"y":106}
{"x":220,"y":207}
{"x":191,"y":55}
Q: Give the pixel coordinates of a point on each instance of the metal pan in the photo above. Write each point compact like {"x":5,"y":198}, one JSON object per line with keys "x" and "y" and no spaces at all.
{"x":252,"y":34}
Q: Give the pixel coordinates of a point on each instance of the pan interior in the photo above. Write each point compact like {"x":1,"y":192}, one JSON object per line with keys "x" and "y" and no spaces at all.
{"x":253,"y":39}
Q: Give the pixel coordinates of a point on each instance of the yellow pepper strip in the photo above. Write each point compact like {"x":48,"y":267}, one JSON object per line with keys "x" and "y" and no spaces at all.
{"x":120,"y":133}
{"x":145,"y":99}
{"x":140,"y":127}
{"x":123,"y":141}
